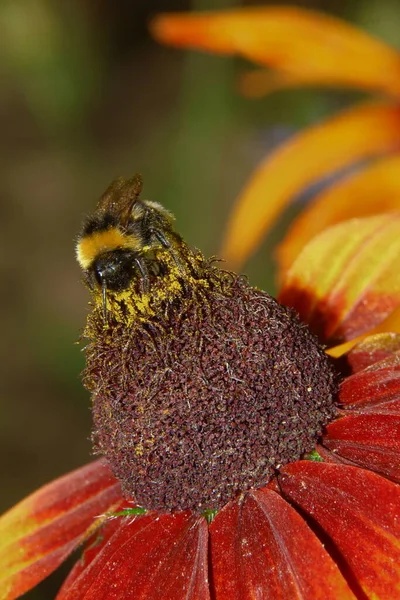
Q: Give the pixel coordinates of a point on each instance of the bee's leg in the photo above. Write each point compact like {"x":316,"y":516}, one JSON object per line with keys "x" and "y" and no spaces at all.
{"x":104,"y":297}
{"x":144,"y":272}
{"x":159,"y":235}
{"x":170,"y":244}
{"x":179,"y":264}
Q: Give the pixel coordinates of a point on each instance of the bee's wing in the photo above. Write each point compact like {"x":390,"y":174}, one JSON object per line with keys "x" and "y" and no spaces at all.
{"x":119,"y":198}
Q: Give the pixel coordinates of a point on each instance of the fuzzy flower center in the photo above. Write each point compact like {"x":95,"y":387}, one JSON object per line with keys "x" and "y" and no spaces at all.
{"x":208,"y":393}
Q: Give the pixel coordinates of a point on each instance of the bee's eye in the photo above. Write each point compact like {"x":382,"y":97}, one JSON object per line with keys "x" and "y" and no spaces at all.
{"x":114,"y":269}
{"x":106,"y":271}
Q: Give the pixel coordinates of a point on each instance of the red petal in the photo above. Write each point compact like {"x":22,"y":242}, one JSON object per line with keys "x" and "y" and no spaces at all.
{"x":360,"y":512}
{"x":372,"y":350}
{"x":347,"y":279}
{"x":42,"y":530}
{"x":93,"y":547}
{"x":370,"y":441}
{"x":162,"y":557}
{"x":376,"y":389}
{"x":262,"y":548}
{"x":330,"y":457}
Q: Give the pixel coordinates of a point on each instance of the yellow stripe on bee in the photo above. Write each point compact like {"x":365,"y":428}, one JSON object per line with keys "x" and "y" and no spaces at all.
{"x":91,"y":246}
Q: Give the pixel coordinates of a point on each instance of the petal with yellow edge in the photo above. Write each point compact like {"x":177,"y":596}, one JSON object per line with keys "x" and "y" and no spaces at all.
{"x":42,"y":530}
{"x":347,"y":279}
{"x":359,"y":513}
{"x":294,"y":40}
{"x":373,"y":190}
{"x":366,"y":131}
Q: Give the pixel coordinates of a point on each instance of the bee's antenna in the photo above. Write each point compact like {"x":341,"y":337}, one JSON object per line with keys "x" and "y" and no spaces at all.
{"x":104,"y":296}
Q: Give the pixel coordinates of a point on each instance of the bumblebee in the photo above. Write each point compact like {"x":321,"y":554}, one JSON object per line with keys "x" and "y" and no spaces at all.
{"x":121,"y":240}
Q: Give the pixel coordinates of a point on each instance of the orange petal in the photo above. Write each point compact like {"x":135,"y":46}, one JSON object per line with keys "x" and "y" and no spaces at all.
{"x":294,"y":40}
{"x":42,"y":530}
{"x":359,"y":512}
{"x":338,"y":351}
{"x":347,"y":279}
{"x":371,"y":191}
{"x":358,"y":133}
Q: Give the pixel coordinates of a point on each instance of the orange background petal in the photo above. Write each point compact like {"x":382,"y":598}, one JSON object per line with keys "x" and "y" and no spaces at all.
{"x":365,"y":131}
{"x":347,"y":279}
{"x":294,"y":40}
{"x":370,"y":191}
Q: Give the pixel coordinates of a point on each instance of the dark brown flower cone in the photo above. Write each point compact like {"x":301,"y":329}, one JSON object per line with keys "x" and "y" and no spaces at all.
{"x":206,"y":391}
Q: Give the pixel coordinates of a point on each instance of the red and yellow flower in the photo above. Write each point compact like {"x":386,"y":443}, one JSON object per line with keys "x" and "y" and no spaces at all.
{"x":326,"y":525}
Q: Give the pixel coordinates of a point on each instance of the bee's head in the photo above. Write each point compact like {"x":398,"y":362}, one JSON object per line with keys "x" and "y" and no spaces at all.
{"x":106,"y":255}
{"x":113,"y":270}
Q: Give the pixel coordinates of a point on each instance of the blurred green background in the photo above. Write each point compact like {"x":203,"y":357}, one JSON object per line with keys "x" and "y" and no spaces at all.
{"x":85,"y":96}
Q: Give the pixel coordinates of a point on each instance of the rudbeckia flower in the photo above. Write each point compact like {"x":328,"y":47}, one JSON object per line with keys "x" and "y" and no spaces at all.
{"x":241,"y":458}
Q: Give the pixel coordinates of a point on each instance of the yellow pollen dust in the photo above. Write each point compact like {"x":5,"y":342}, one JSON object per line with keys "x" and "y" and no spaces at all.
{"x":133,"y":304}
